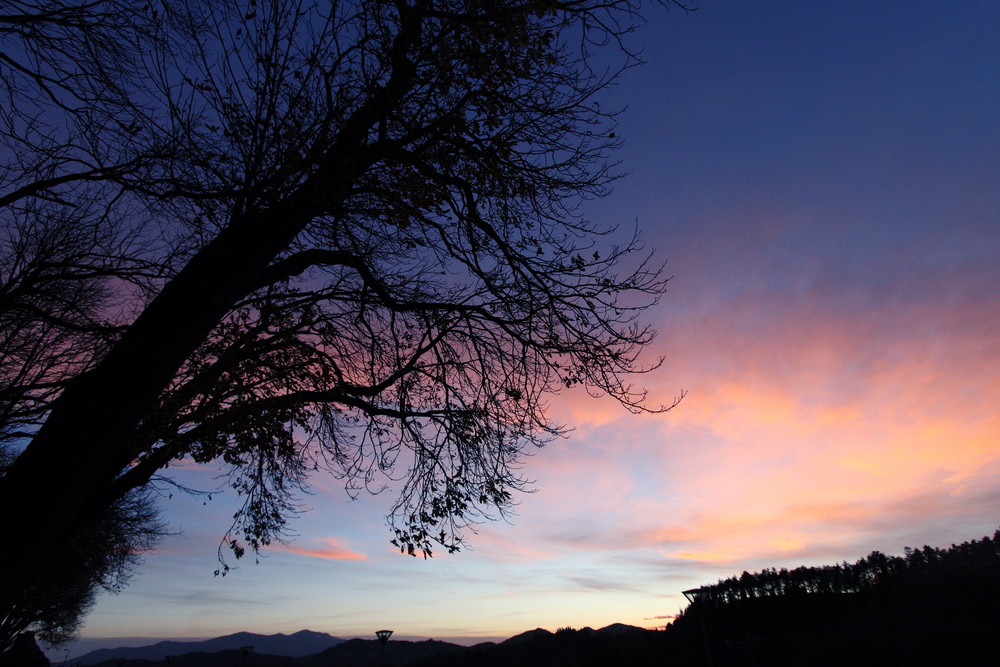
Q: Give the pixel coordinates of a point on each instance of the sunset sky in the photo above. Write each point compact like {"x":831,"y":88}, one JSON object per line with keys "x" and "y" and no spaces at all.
{"x":823,"y":180}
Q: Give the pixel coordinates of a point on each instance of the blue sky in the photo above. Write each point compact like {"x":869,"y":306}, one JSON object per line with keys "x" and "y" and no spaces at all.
{"x":824,"y":182}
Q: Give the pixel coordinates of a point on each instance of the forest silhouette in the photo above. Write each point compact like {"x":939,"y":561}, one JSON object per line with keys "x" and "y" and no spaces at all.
{"x":932,"y":606}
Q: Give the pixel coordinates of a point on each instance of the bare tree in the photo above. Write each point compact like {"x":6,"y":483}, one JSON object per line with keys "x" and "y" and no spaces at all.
{"x":341,"y":236}
{"x":101,"y":557}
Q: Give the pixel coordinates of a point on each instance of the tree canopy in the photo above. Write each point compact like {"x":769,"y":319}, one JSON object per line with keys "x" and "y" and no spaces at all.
{"x":291,"y":236}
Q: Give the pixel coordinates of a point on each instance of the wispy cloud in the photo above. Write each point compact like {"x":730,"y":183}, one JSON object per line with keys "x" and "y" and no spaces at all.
{"x":333,"y":549}
{"x":816,"y":425}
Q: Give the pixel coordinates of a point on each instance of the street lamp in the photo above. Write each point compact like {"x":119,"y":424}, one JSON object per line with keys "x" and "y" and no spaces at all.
{"x":383,"y":637}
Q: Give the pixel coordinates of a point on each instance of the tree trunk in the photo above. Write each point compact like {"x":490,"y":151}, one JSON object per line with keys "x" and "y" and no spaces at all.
{"x":61,"y":480}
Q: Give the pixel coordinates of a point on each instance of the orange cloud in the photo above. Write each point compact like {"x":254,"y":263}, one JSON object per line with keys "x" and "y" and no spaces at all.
{"x":804,"y":430}
{"x":335,"y":549}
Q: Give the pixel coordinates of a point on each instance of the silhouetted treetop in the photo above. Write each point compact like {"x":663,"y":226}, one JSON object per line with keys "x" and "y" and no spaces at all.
{"x":874,"y":572}
{"x":340,"y":236}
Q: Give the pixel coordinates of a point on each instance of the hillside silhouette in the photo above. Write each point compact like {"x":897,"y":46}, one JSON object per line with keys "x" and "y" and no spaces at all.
{"x":930,"y":607}
{"x":302,"y":643}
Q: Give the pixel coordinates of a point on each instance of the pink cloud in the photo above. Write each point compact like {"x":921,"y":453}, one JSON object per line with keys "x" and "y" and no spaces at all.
{"x":809,"y":428}
{"x":334,"y":549}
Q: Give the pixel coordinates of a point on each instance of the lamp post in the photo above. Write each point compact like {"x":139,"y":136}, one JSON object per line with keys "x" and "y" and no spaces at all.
{"x":383,"y":637}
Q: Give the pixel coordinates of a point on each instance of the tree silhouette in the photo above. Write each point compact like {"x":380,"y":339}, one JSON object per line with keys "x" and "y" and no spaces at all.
{"x":875,"y":572}
{"x":932,"y":606}
{"x":340,"y":236}
{"x":103,"y":556}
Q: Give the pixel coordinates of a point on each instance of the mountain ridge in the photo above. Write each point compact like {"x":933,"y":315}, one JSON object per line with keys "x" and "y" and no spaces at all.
{"x":295,"y":645}
{"x":303,"y":644}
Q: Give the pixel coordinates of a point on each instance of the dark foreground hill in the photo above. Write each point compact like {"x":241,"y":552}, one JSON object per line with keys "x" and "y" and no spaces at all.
{"x":831,"y":630}
{"x":302,"y":643}
{"x":350,"y":653}
{"x":930,"y":607}
{"x":614,"y":646}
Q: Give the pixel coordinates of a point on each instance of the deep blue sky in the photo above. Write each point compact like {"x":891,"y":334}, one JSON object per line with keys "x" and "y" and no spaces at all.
{"x":824,"y":182}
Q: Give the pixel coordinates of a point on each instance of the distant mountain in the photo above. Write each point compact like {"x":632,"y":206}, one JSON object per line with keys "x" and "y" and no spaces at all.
{"x":539,"y":646}
{"x":526,"y":636}
{"x":532,"y":635}
{"x":302,"y":643}
{"x":350,"y":653}
{"x":316,"y":649}
{"x":617,"y":629}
